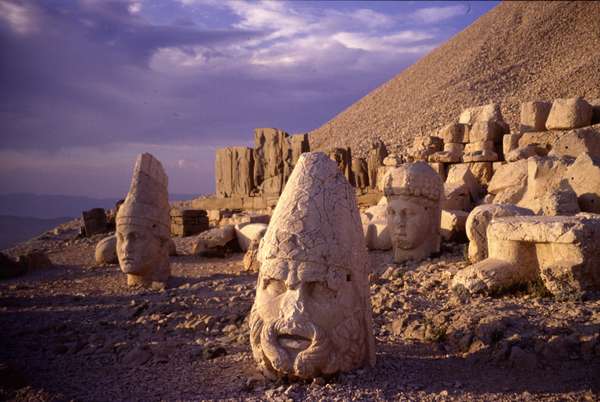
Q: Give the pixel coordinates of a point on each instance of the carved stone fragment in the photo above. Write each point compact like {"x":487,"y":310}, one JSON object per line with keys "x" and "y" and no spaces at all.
{"x":312,"y":314}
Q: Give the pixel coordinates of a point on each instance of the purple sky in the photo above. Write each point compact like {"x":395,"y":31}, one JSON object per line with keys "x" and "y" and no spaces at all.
{"x":89,"y":84}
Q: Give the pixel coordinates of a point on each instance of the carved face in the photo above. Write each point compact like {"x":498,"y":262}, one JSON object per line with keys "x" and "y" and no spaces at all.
{"x":409,"y":221}
{"x":138,"y":248}
{"x":306,"y":320}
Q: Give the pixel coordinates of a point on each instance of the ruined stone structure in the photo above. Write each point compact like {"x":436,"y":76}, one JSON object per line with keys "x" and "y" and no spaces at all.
{"x":414,"y":192}
{"x":312,"y":314}
{"x":94,"y":222}
{"x":560,"y":250}
{"x":375,"y":158}
{"x":143,"y":232}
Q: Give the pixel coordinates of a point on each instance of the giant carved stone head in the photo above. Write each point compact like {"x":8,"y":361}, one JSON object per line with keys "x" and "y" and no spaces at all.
{"x":413,"y":192}
{"x":312,"y":313}
{"x":143,"y":226}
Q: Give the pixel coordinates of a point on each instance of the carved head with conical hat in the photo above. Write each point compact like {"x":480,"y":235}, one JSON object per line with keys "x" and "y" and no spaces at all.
{"x":414,"y":193}
{"x":312,"y":313}
{"x":143,"y":225}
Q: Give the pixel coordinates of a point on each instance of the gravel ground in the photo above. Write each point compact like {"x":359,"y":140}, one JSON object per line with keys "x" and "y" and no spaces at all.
{"x":76,"y":332}
{"x":517,"y":52}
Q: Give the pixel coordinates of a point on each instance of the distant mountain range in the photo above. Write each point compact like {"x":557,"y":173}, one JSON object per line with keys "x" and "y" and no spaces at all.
{"x":44,"y":206}
{"x":23,"y":216}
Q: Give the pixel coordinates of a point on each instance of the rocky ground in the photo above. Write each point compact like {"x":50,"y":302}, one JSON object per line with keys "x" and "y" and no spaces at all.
{"x":76,"y":332}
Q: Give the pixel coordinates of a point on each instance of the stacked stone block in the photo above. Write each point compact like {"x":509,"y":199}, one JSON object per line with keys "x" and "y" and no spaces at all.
{"x":188,"y":222}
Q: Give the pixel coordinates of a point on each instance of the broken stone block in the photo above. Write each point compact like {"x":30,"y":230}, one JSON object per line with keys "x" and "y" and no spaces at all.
{"x":534,"y":115}
{"x":544,"y":175}
{"x":188,"y":222}
{"x":509,"y":175}
{"x":482,"y":171}
{"x":483,"y":146}
{"x":94,"y":221}
{"x":584,"y":178}
{"x":567,"y":143}
{"x":445,"y":157}
{"x":480,"y":156}
{"x":510,"y":142}
{"x":440,"y":169}
{"x":567,"y":114}
{"x":375,"y":158}
{"x":381,"y":173}
{"x":478,"y":221}
{"x":487,"y":112}
{"x":423,"y":147}
{"x":360,"y":172}
{"x":560,"y":200}
{"x":234,"y":168}
{"x":457,"y":196}
{"x":488,"y":130}
{"x":215,"y":242}
{"x":452,"y":225}
{"x":106,"y":251}
{"x":454,"y":133}
{"x":525,"y":152}
{"x":461,"y":173}
{"x":595,"y":104}
{"x":246,"y":233}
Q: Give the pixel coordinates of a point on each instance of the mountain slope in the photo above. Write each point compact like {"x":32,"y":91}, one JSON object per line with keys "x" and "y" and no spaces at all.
{"x":517,"y":52}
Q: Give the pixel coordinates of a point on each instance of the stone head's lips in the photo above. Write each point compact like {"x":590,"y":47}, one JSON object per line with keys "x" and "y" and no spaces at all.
{"x":294,"y":342}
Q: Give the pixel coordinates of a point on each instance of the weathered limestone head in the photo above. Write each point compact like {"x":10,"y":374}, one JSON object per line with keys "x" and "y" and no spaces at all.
{"x":414,"y":192}
{"x":312,"y":313}
{"x":143,"y":226}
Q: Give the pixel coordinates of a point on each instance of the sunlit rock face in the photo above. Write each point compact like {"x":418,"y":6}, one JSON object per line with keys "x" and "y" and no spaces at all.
{"x":143,"y":232}
{"x":414,"y":192}
{"x":312,"y":314}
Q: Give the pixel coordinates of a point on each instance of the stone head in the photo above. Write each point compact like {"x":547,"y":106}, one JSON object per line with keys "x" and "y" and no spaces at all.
{"x":142,"y":225}
{"x":413,"y":192}
{"x":312,"y":314}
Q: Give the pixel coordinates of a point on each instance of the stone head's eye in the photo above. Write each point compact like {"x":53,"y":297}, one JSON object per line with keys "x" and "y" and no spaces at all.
{"x":274,"y":287}
{"x":320,"y":291}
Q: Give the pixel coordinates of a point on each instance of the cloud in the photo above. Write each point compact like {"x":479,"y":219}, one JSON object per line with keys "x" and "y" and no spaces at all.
{"x":430,"y":15}
{"x":18,"y":17}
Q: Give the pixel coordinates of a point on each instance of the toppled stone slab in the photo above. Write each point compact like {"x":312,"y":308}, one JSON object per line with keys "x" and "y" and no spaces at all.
{"x":461,"y":173}
{"x":561,"y":250}
{"x":525,"y":152}
{"x":478,"y":221}
{"x":480,"y":156}
{"x":567,"y":114}
{"x":510,"y":179}
{"x":510,"y":142}
{"x":487,"y":112}
{"x":487,"y":130}
{"x":215,"y":242}
{"x":534,"y":115}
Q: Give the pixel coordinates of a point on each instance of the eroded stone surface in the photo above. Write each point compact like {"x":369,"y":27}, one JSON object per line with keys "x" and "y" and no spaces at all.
{"x":213,"y":242}
{"x":312,"y":314}
{"x":414,"y":192}
{"x":584,"y":177}
{"x":570,"y":143}
{"x":143,"y":232}
{"x":377,"y":235}
{"x":246,"y":233}
{"x":452,"y":226}
{"x":377,"y":154}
